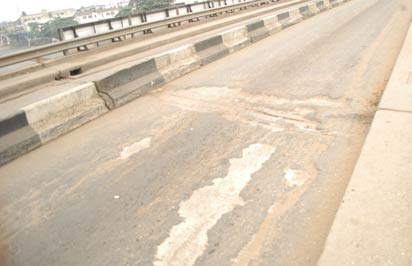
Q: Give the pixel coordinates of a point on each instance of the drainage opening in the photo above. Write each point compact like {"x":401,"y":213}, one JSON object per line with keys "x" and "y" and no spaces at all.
{"x":75,"y":72}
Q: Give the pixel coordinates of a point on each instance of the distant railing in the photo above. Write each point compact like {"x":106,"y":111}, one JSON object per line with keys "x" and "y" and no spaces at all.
{"x":101,"y":26}
{"x":117,"y":34}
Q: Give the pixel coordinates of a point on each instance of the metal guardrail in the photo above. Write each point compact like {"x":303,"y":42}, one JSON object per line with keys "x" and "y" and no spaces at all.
{"x":62,"y":46}
{"x":91,"y":28}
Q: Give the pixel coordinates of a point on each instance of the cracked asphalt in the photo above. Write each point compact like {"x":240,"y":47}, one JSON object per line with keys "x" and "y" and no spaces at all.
{"x":242,"y":162}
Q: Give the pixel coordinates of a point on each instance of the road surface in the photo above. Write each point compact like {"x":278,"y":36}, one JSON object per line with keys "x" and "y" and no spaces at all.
{"x":242,"y":162}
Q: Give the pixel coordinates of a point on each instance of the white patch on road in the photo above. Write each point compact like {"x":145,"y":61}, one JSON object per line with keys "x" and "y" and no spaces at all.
{"x":188,"y":240}
{"x":304,"y":127}
{"x":295,"y":177}
{"x":135,"y":148}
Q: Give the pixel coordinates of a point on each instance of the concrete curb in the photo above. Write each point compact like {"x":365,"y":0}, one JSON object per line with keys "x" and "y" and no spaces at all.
{"x":235,"y":39}
{"x":129,"y":83}
{"x":257,"y":31}
{"x":134,"y":81}
{"x":211,"y":49}
{"x":177,"y":62}
{"x":272,"y":24}
{"x":373,"y":223}
{"x":38,"y":123}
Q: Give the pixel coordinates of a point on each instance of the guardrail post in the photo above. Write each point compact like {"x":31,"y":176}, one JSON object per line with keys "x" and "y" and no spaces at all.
{"x":61,"y":38}
{"x":145,"y":20}
{"x":61,"y":35}
{"x":129,"y":19}
{"x":111,"y":28}
{"x":94,"y":30}
{"x":74,"y":32}
{"x":172,"y":25}
{"x":168,"y":15}
{"x":189,"y":10}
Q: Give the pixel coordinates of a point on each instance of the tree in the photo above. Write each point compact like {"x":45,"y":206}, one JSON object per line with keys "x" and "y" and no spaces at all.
{"x":49,"y":29}
{"x":34,"y":28}
{"x":125,"y":11}
{"x":147,"y":5}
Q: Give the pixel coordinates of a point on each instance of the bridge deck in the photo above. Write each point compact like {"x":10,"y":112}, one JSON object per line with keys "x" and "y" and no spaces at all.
{"x":242,"y":162}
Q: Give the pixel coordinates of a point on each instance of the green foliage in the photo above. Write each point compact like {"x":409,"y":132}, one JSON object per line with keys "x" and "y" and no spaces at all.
{"x":126,"y":11}
{"x":49,"y":29}
{"x":34,"y":28}
{"x":147,"y":5}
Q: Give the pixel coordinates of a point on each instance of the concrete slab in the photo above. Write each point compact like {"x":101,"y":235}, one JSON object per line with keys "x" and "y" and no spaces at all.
{"x":42,"y":92}
{"x":398,"y":93}
{"x":373,"y":225}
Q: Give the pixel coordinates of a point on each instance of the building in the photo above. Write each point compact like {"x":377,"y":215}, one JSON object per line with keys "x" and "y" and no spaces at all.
{"x":185,"y":2}
{"x":123,"y":4}
{"x":95,"y":13}
{"x":11,"y":27}
{"x":45,"y":16}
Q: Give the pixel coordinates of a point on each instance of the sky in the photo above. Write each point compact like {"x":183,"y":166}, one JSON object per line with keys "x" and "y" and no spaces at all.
{"x":11,"y":9}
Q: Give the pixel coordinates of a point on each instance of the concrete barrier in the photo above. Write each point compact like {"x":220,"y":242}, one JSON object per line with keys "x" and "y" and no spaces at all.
{"x":334,"y":3}
{"x":178,"y":62}
{"x":16,"y":137}
{"x":257,"y":30}
{"x":284,"y":19}
{"x":289,"y":18}
{"x":295,"y":16}
{"x":211,"y":49}
{"x":129,"y":82}
{"x":35,"y":124}
{"x":321,"y":6}
{"x":272,"y":24}
{"x":308,"y":10}
{"x":305,"y":12}
{"x":313,"y":9}
{"x":235,"y":39}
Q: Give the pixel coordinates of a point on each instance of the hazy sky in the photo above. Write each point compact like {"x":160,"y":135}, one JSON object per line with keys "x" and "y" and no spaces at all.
{"x":11,"y":9}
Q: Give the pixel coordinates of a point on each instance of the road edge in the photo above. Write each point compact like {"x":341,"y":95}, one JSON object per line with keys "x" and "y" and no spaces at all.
{"x":373,"y":223}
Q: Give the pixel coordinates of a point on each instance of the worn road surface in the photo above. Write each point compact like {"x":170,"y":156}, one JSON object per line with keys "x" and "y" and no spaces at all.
{"x":243,"y":162}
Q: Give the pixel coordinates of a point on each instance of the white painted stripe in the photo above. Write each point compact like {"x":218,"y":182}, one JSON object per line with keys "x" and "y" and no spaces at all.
{"x":135,"y":148}
{"x":188,"y":240}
